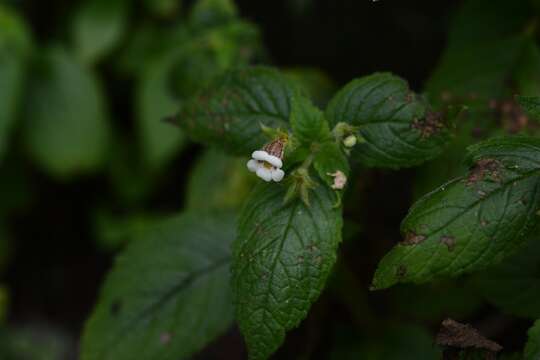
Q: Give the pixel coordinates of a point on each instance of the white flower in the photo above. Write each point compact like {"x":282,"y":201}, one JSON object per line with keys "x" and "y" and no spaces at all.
{"x":266,"y":163}
{"x":339,"y":180}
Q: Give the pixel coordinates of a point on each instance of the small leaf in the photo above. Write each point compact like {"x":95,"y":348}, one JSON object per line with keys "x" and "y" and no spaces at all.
{"x":514,"y":285}
{"x":398,"y":126}
{"x":167,"y":295}
{"x":282,"y":257}
{"x":66,"y":126}
{"x":532,"y":349}
{"x":230,"y":113}
{"x":98,"y":26}
{"x":307,"y":122}
{"x":329,"y":159}
{"x":473,"y":221}
{"x":531,"y":104}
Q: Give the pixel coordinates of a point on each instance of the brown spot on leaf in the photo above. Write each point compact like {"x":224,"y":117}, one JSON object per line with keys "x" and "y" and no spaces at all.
{"x":462,"y":336}
{"x":449,"y":241}
{"x":412,"y":238}
{"x":401,"y":271}
{"x":430,"y":125}
{"x":482,"y":169}
{"x":116,"y":307}
{"x":165,"y":338}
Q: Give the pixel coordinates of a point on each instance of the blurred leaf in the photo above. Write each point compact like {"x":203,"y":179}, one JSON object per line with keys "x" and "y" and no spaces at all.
{"x":4,"y":301}
{"x":14,"y":47}
{"x":329,"y":159}
{"x":316,"y":83}
{"x":470,"y":222}
{"x":165,"y":8}
{"x":527,"y":75}
{"x":33,"y":342}
{"x":229,"y":114}
{"x":531,"y":104}
{"x":218,"y":181}
{"x":168,"y":293}
{"x":66,"y":126}
{"x":307,"y":121}
{"x":114,"y":231}
{"x":398,"y":342}
{"x":532,"y":349}
{"x":514,"y":285}
{"x":160,"y":140}
{"x":482,"y":29}
{"x":206,"y":13}
{"x":282,"y":257}
{"x":98,"y":27}
{"x":398,"y":126}
{"x":5,"y":247}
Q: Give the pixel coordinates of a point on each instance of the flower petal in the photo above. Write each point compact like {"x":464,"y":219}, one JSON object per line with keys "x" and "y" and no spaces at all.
{"x":264,"y":156}
{"x":277,"y":175}
{"x":253,"y":165}
{"x":264,"y":174}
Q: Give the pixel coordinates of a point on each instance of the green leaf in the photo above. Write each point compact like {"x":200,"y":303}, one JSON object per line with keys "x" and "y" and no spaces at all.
{"x":477,"y":34}
{"x":514,"y":285}
{"x":14,"y":47}
{"x":527,"y":74}
{"x":218,"y":181}
{"x":398,"y":126}
{"x":329,"y":159}
{"x":167,"y":295}
{"x":206,"y":13}
{"x":160,"y":140}
{"x":66,"y":125}
{"x":531,"y":104}
{"x":307,"y":121}
{"x":470,"y":222}
{"x":315,"y":82}
{"x":163,"y":8}
{"x":532,"y":349}
{"x":229,"y":114}
{"x":98,"y":27}
{"x":281,"y":259}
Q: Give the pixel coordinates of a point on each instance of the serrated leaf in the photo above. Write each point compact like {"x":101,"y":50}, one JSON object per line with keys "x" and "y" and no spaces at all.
{"x":514,"y":285}
{"x":532,"y":348}
{"x":531,"y":104}
{"x":229,"y":114}
{"x":328,"y":160}
{"x":282,"y":257}
{"x":398,"y":126}
{"x":98,"y":26}
{"x":167,"y":295}
{"x":472,"y":221}
{"x":66,"y":125}
{"x":307,"y":121}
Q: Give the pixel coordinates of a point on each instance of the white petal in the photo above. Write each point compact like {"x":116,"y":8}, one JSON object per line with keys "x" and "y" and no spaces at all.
{"x":253,"y":165}
{"x":277,"y":175}
{"x":264,"y":156}
{"x":264,"y":174}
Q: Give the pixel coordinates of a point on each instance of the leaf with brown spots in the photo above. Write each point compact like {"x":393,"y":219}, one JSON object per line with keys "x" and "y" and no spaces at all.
{"x":473,"y":221}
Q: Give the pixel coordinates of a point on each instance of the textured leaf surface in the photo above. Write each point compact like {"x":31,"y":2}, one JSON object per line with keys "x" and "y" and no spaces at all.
{"x":307,"y":121}
{"x":98,"y":26}
{"x":168,"y":295}
{"x":472,"y":221}
{"x":532,"y":349}
{"x":282,"y":257}
{"x":67,"y":129}
{"x":230,"y":113}
{"x":398,"y":126}
{"x":514,"y":285}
